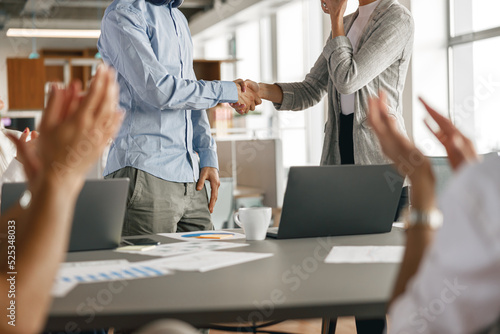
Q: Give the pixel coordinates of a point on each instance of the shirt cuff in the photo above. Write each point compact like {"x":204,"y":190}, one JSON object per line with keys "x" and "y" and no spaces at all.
{"x":208,"y":158}
{"x":288,"y":96}
{"x":334,"y":44}
{"x":229,"y":92}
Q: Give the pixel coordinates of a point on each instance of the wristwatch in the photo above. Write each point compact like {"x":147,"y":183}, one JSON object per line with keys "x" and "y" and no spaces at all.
{"x":417,"y":218}
{"x":25,"y":200}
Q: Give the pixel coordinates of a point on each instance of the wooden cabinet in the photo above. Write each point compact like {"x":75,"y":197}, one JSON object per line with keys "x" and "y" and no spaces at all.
{"x":26,"y":82}
{"x":72,"y":60}
{"x":208,"y":70}
{"x":27,"y":77}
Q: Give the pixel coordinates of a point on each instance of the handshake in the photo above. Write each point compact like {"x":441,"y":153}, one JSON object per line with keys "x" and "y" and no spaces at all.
{"x":248,"y":96}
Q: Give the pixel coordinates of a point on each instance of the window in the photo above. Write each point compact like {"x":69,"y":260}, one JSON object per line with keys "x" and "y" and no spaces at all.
{"x":474,"y":45}
{"x":280,"y":46}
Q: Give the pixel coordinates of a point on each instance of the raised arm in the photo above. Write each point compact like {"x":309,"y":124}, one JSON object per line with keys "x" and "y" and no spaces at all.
{"x":351,"y":71}
{"x":55,"y":182}
{"x":404,"y":153}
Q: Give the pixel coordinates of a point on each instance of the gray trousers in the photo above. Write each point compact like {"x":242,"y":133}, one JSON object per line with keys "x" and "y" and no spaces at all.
{"x":158,"y":206}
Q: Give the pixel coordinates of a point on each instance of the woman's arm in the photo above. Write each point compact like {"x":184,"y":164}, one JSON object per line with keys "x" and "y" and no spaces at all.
{"x":351,"y":71}
{"x":298,"y":95}
{"x":271,"y":92}
{"x":336,"y":9}
{"x":38,"y":252}
{"x":404,"y":153}
{"x":55,"y":182}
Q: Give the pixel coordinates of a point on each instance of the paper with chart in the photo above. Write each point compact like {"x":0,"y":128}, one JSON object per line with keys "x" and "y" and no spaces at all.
{"x":73,"y":273}
{"x":205,"y":236}
{"x":365,"y":254}
{"x":208,"y":260}
{"x":181,"y":248}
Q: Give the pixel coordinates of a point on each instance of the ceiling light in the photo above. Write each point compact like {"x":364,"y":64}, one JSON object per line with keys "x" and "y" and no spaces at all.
{"x":53,"y":33}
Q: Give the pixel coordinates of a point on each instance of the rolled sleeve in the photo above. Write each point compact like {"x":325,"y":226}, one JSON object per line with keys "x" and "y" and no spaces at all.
{"x":288,"y":97}
{"x":350,"y":72}
{"x":335,"y":44}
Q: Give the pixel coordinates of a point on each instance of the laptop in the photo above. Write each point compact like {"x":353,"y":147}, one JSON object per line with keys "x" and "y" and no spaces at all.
{"x":339,"y":200}
{"x":99,"y":213}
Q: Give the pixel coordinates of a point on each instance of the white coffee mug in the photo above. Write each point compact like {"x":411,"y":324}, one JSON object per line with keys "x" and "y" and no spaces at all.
{"x":254,"y":221}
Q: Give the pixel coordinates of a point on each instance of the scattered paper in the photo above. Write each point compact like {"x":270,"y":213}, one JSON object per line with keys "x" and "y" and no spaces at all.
{"x":365,"y":254}
{"x":207,"y":260}
{"x":72,"y":273}
{"x":204,"y":236}
{"x":61,"y":289}
{"x":135,"y":248}
{"x":181,"y":248}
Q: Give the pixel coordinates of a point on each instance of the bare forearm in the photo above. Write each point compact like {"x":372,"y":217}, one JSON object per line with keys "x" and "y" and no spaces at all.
{"x":40,"y":251}
{"x":337,"y":20}
{"x":418,"y":238}
{"x":271,"y":93}
{"x":417,"y":241}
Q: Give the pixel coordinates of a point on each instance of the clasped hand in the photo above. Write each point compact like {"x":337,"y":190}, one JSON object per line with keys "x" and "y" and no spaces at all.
{"x":248,"y":96}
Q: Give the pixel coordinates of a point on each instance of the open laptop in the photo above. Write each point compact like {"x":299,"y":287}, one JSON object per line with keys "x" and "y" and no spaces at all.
{"x":339,"y":200}
{"x":99,"y":212}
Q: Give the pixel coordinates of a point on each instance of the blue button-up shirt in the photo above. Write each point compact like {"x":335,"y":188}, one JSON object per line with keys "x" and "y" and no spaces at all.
{"x":166,"y":131}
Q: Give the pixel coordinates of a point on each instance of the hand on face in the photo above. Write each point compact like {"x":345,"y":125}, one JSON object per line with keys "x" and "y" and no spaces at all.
{"x":334,"y":6}
{"x":459,"y":148}
{"x":74,"y":129}
{"x":248,"y":96}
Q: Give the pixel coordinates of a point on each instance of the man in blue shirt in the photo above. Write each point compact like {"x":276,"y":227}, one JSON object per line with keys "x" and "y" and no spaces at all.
{"x":164,"y":145}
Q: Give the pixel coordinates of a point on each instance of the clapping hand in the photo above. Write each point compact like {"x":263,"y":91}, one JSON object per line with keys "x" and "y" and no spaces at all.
{"x":460,"y":149}
{"x":408,"y":159}
{"x":248,"y":96}
{"x":395,"y":145}
{"x":74,"y":130}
